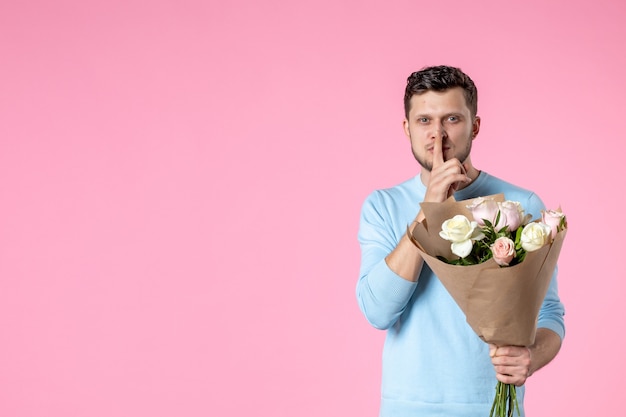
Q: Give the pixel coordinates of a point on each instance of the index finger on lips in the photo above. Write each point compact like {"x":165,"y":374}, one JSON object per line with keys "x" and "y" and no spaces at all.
{"x":438,"y":152}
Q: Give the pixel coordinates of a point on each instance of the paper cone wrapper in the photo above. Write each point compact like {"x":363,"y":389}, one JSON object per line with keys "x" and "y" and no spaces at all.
{"x":501,"y":304}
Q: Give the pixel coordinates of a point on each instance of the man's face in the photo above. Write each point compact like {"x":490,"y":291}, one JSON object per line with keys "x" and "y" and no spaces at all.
{"x":440,"y":115}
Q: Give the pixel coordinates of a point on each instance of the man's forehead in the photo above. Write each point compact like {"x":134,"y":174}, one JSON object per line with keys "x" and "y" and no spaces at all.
{"x":439,"y":101}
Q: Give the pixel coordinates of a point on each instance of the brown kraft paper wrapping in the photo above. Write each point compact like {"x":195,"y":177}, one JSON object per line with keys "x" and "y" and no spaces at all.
{"x":501,"y":304}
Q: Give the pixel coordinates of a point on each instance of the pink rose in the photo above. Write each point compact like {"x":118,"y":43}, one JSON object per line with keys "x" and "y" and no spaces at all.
{"x":553,"y":218}
{"x":503,"y":250}
{"x":483,"y":209}
{"x":511,"y":214}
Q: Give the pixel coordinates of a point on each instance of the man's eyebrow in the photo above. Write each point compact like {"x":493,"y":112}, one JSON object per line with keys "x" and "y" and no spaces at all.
{"x":452,"y":113}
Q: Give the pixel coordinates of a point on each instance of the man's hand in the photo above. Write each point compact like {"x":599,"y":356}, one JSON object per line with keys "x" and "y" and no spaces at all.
{"x":512,"y":363}
{"x":444,"y":176}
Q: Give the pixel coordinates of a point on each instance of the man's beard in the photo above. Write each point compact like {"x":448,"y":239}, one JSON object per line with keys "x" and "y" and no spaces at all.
{"x":429,"y":165}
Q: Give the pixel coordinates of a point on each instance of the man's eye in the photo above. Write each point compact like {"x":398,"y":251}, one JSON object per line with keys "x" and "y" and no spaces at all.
{"x":453,"y":118}
{"x":423,"y":120}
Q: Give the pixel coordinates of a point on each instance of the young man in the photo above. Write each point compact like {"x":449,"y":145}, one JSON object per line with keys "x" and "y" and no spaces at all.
{"x":433,"y":362}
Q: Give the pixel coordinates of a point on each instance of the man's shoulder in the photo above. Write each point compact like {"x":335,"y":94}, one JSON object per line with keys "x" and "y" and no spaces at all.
{"x":393,"y":207}
{"x":407,"y":189}
{"x":528,"y":198}
{"x":398,"y":201}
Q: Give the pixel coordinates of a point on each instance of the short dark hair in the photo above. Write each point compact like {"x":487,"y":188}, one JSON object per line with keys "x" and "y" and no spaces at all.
{"x":440,"y":78}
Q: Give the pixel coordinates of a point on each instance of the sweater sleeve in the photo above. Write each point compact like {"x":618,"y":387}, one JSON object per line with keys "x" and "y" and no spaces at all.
{"x":551,"y":315}
{"x":382,"y":294}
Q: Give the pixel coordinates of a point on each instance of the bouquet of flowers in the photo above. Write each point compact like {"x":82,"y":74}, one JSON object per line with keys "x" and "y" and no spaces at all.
{"x":496,"y":264}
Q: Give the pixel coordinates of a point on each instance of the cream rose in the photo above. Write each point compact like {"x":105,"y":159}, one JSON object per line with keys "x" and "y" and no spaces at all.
{"x":460,"y":231}
{"x":535,"y":235}
{"x":503,"y":250}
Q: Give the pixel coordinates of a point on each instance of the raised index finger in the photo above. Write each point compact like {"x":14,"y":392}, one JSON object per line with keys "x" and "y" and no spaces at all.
{"x":438,"y":152}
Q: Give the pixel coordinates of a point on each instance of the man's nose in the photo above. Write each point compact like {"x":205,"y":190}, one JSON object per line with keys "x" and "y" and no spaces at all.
{"x":439,"y":132}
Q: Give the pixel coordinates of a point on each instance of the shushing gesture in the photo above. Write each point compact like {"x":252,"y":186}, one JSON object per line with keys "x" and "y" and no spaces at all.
{"x":446,"y":176}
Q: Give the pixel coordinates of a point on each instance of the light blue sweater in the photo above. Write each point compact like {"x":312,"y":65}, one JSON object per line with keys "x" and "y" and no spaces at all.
{"x":433,"y":362}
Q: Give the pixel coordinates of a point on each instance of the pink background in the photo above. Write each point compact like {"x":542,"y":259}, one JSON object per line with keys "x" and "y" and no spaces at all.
{"x":181,"y":184}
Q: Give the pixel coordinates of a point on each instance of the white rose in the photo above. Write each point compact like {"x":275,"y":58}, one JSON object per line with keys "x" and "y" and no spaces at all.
{"x":460,"y":231}
{"x":535,"y":235}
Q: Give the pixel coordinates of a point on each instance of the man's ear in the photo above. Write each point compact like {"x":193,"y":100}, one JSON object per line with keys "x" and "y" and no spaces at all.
{"x":405,"y":126}
{"x":475,"y":127}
